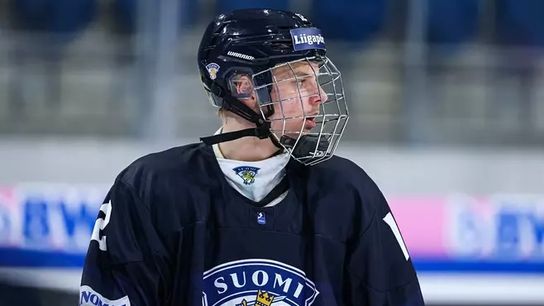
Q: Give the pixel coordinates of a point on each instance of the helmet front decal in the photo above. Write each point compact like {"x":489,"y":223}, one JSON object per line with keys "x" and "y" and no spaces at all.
{"x":307,"y":38}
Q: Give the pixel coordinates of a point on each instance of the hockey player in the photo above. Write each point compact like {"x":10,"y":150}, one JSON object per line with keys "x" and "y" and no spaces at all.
{"x":262,"y":212}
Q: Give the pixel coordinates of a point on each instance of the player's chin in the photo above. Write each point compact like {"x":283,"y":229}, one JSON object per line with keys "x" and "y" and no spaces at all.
{"x":303,"y":126}
{"x":294,"y":128}
{"x":300,"y":132}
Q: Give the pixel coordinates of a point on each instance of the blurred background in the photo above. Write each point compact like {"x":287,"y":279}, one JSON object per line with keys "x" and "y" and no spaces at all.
{"x":447,"y":105}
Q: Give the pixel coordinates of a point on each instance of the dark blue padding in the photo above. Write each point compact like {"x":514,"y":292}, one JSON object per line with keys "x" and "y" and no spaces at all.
{"x":452,"y":22}
{"x":58,"y":16}
{"x":478,"y":266}
{"x":223,"y":6}
{"x":350,"y":20}
{"x":31,"y":14}
{"x":520,"y":22}
{"x":126,"y":12}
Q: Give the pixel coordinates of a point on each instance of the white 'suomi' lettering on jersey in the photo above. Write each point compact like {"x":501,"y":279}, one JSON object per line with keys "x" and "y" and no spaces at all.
{"x":257,"y":282}
{"x":89,"y":297}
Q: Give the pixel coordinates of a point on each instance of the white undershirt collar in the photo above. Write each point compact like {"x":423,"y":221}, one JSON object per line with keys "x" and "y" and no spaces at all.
{"x":253,"y":179}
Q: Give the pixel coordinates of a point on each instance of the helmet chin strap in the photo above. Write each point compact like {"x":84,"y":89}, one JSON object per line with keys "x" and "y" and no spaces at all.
{"x":262,"y":129}
{"x":307,"y":145}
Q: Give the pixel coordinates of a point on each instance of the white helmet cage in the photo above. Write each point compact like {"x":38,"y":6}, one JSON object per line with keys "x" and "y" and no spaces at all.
{"x":310,"y":109}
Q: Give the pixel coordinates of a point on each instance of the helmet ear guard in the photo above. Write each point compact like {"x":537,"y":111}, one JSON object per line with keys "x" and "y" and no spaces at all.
{"x":241,"y":86}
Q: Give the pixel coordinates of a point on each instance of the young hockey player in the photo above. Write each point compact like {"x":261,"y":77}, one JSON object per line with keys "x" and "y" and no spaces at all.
{"x":261,"y":213}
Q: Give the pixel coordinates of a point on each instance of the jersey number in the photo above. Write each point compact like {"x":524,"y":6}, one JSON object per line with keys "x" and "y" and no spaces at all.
{"x":393,"y":225}
{"x":100,"y":224}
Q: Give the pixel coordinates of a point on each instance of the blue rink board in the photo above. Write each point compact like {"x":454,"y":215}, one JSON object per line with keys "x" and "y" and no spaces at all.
{"x":11,"y":257}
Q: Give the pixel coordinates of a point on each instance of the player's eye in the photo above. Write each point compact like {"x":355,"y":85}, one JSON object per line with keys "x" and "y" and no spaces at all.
{"x":299,"y":82}
{"x":304,"y":79}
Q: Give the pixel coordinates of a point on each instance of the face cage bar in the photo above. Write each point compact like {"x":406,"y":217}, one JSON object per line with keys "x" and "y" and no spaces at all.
{"x":333,"y":111}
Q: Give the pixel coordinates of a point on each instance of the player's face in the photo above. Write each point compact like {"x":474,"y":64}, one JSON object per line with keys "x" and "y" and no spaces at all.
{"x":298,"y":94}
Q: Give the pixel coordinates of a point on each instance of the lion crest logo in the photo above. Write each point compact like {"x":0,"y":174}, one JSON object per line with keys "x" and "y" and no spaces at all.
{"x":247,"y":173}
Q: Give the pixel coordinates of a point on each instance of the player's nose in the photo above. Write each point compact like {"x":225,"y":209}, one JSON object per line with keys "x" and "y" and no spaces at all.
{"x":319,"y":97}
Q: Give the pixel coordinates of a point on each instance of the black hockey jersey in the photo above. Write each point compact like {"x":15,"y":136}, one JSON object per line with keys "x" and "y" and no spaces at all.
{"x":172,"y":231}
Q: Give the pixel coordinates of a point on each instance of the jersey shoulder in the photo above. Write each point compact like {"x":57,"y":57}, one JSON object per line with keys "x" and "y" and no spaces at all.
{"x":344,"y":190}
{"x":342,"y":171}
{"x":188,"y":163}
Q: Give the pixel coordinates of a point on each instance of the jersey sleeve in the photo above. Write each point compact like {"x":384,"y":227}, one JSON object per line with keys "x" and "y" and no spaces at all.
{"x":124,"y":264}
{"x":380,"y":271}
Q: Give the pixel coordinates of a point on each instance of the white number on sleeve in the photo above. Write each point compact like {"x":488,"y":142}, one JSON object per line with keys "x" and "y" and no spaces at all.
{"x":393,"y":225}
{"x":100,"y":224}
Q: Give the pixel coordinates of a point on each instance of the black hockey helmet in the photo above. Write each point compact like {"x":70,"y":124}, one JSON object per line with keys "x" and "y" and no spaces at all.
{"x":249,"y":39}
{"x":252,"y":42}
